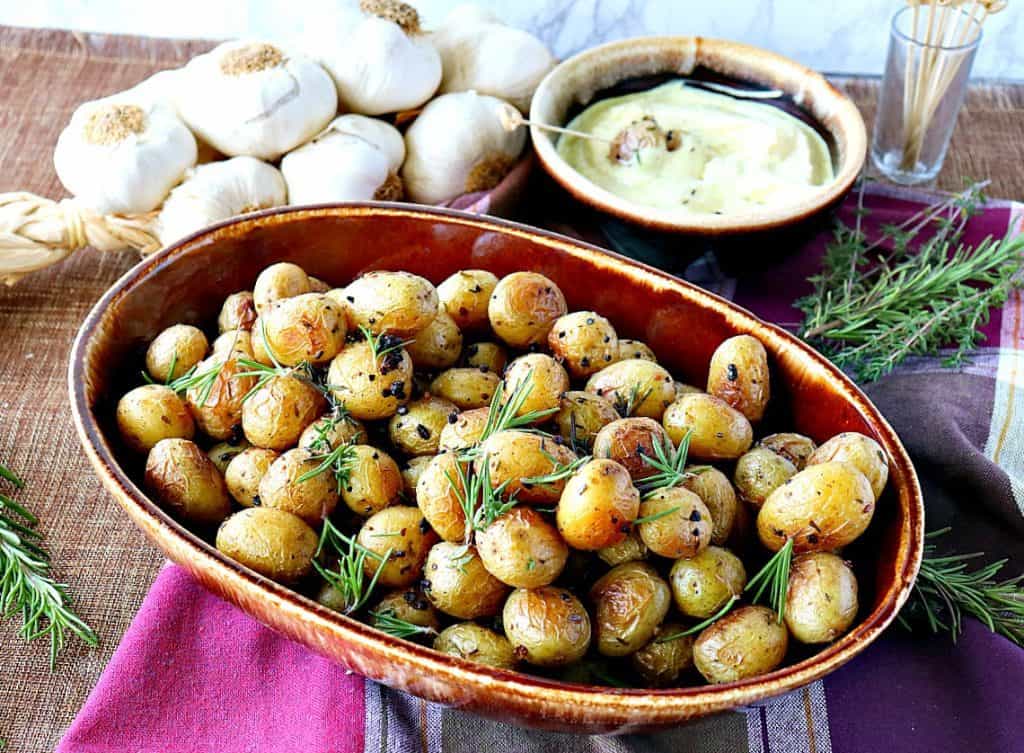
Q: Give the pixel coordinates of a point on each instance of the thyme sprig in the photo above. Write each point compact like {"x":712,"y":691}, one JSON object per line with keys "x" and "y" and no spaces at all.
{"x":26,"y":583}
{"x":774,"y":578}
{"x":669,"y":462}
{"x":913,"y":290}
{"x":387,"y":622}
{"x":946,"y":590}
{"x":349,"y":579}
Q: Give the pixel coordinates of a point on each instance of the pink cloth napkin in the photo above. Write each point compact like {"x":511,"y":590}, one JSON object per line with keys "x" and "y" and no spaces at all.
{"x":193,"y":673}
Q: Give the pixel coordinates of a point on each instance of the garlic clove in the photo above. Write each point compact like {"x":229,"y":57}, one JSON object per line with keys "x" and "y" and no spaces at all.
{"x":480,"y":53}
{"x":218,"y":191}
{"x":383,"y":62}
{"x":255,"y":98}
{"x":123,"y":154}
{"x":355,"y":158}
{"x":459,"y":145}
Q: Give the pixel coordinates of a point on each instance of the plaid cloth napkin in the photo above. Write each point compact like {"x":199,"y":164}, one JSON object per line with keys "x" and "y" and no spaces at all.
{"x":195,"y":674}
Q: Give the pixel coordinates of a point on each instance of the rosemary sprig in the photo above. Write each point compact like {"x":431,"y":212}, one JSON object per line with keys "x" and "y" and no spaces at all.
{"x":501,"y":414}
{"x":381,"y":345}
{"x":774,"y":578}
{"x":265,"y":373}
{"x":625,"y":404}
{"x":912,"y":291}
{"x":203,"y":380}
{"x":387,"y":622}
{"x":26,"y":584}
{"x":656,"y":516}
{"x":326,"y":426}
{"x":670,"y":464}
{"x":481,"y":503}
{"x":945,"y":590}
{"x":559,"y":472}
{"x":338,"y":461}
{"x":350,"y":578}
{"x":701,"y":625}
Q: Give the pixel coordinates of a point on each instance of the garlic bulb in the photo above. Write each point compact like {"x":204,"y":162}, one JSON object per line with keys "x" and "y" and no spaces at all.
{"x":218,"y":191}
{"x":253,"y":98}
{"x":458,"y":145}
{"x":355,"y":158}
{"x":122,"y":154}
{"x":382,"y":62}
{"x":479,"y":52}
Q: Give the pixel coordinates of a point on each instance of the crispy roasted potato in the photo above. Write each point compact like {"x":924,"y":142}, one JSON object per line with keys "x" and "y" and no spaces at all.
{"x":759,"y":472}
{"x":546,"y":626}
{"x":628,"y":441}
{"x":180,"y":347}
{"x":331,"y":430}
{"x":467,"y":388}
{"x":821,"y":601}
{"x":739,"y":375}
{"x":244,"y":473}
{"x":370,"y":386}
{"x":395,"y":303}
{"x":465,"y":297}
{"x":276,"y":414}
{"x":216,"y":403}
{"x":597,"y":506}
{"x":412,"y":472}
{"x":437,"y":495}
{"x":277,"y":282}
{"x":416,"y":428}
{"x":464,"y":431}
{"x":523,"y":307}
{"x":665,"y":658}
{"x":522,"y":549}
{"x":484,"y":355}
{"x":238,"y":312}
{"x":717,"y":430}
{"x":630,"y":601}
{"x":674,"y":523}
{"x":458,"y":584}
{"x":312,"y":499}
{"x":374,"y":481}
{"x":747,"y":642}
{"x":629,"y":349}
{"x":467,"y":640}
{"x":547,"y":382}
{"x":410,"y":605}
{"x":716,"y":492}
{"x":274,"y":543}
{"x":184,"y":480}
{"x":636,"y":387}
{"x":150,"y":413}
{"x":404,"y":532}
{"x":306,"y":328}
{"x":522,"y":460}
{"x":795,"y":448}
{"x":581,"y":415}
{"x":584,"y":341}
{"x":860,"y":451}
{"x":438,"y":345}
{"x":702,"y":585}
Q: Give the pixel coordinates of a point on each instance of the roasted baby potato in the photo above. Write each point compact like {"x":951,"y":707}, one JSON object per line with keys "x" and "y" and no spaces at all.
{"x":235,"y":343}
{"x":522,"y":460}
{"x":416,"y":428}
{"x":522,"y":549}
{"x":628,"y":441}
{"x":313,"y":498}
{"x":374,"y":481}
{"x":703,"y":584}
{"x":465,"y":431}
{"x":216,"y":402}
{"x":739,"y":375}
{"x":484,"y":355}
{"x":414,"y":468}
{"x":458,"y":584}
{"x":238,"y":312}
{"x":404,"y":532}
{"x":674,"y":523}
{"x":629,"y":349}
{"x":306,"y":328}
{"x":467,"y":388}
{"x":546,"y":626}
{"x":245,"y":472}
{"x":584,"y":341}
{"x":717,"y":430}
{"x":630,"y":549}
{"x":666,"y":656}
{"x":747,"y":642}
{"x":823,"y":507}
{"x":717,"y":494}
{"x":395,"y":303}
{"x":597,"y":506}
{"x":630,"y":601}
{"x":409,"y":605}
{"x":330,"y":431}
{"x":371,"y":386}
{"x":547,"y":383}
{"x":223,"y":453}
{"x":636,"y":387}
{"x":759,"y":472}
{"x":523,"y":307}
{"x":821,"y":601}
{"x":581,"y":415}
{"x":150,"y":413}
{"x":184,"y":480}
{"x":467,"y":640}
{"x":277,"y":282}
{"x":275,"y":415}
{"x":795,"y":448}
{"x":465,"y":297}
{"x":174,"y":351}
{"x":438,"y":345}
{"x":682,"y":388}
{"x":437,"y":495}
{"x":860,"y":451}
{"x":274,"y":543}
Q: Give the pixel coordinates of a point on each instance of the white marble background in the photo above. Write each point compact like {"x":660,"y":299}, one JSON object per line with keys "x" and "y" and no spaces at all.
{"x":842,"y":36}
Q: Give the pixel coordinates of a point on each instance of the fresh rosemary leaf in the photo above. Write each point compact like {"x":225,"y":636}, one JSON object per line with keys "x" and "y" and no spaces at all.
{"x":12,"y":477}
{"x":481,"y":503}
{"x":701,"y":625}
{"x":626,"y":404}
{"x":349,"y":579}
{"x":774,"y":577}
{"x":670,"y":464}
{"x":338,"y":461}
{"x":559,"y":472}
{"x":501,"y":414}
{"x":382,"y":345}
{"x":203,"y":380}
{"x":656,"y":516}
{"x":388,"y":623}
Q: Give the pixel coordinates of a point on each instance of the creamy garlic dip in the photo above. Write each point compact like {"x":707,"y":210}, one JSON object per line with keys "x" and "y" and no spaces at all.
{"x":681,"y":148}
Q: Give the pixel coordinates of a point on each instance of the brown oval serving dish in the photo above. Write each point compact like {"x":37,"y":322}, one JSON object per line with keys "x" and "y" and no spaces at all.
{"x":186,"y":282}
{"x":603,"y":70}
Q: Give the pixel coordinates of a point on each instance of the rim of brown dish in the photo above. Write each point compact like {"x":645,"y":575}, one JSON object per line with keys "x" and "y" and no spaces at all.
{"x":578,"y":78}
{"x":526,"y":695}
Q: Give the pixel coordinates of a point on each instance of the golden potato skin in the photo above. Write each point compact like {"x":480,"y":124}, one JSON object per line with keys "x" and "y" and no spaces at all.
{"x":523,"y":307}
{"x":484,"y":355}
{"x":739,"y":375}
{"x":181,"y":346}
{"x":232,"y":343}
{"x":465,"y":297}
{"x":438,"y":500}
{"x":464,"y":431}
{"x":458,"y":584}
{"x":821,"y":601}
{"x":416,"y":428}
{"x":522,"y":549}
{"x":661,"y":662}
{"x":150,"y":413}
{"x":630,"y":601}
{"x":584,"y":341}
{"x":237,"y":312}
{"x":627,"y":441}
{"x":747,"y":642}
{"x":581,"y":415}
{"x":414,"y":468}
{"x":274,"y":543}
{"x":702,"y":585}
{"x":223,"y":453}
{"x":597,"y":506}
{"x":514,"y":456}
{"x":244,"y":473}
{"x":331,"y":430}
{"x":313,"y":500}
{"x":759,"y":472}
{"x":307,"y":328}
{"x":369,"y":387}
{"x":184,"y":480}
{"x":823,"y":507}
{"x":220,"y":410}
{"x":683,"y":532}
{"x":546,"y":626}
{"x":860,"y":451}
{"x":411,"y":605}
{"x":275,"y":415}
{"x":316,"y":285}
{"x":629,"y":349}
{"x":374,"y":481}
{"x":405,"y":532}
{"x":473,"y":642}
{"x":630,"y":549}
{"x":716,"y":492}
{"x":717,"y":430}
{"x":648,"y":382}
{"x":547,"y":382}
{"x":396,"y":303}
{"x":438,"y":345}
{"x":682,"y":388}
{"x":277,"y":282}
{"x":796,"y":448}
{"x":467,"y":388}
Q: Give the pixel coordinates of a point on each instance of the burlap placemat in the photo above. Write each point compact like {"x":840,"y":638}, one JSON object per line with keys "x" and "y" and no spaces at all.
{"x":109,"y":564}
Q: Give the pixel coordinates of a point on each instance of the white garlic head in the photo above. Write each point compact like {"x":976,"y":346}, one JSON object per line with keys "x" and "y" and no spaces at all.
{"x":355,"y":158}
{"x":123,"y":154}
{"x":255,"y":99}
{"x":381,"y":61}
{"x":459,"y":144}
{"x":218,"y":191}
{"x":479,"y":52}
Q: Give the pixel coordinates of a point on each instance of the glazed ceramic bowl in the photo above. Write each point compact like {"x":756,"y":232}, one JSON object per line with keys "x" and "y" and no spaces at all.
{"x":187,"y":282}
{"x":598,"y":71}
